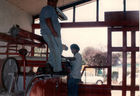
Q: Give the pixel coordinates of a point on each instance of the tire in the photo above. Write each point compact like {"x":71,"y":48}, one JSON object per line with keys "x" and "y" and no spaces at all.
{"x":9,"y":66}
{"x":99,"y":82}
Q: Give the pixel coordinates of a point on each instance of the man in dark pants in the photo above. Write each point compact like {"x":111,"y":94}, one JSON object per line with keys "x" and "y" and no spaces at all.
{"x":75,"y":75}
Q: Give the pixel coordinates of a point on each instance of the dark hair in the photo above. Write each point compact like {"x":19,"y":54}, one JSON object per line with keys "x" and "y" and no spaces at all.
{"x":75,"y":46}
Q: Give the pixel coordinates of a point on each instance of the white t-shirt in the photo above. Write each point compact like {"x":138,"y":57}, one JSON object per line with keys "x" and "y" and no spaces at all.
{"x":76,"y":66}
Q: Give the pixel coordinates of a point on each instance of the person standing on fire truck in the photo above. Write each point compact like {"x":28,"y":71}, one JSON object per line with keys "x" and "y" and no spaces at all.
{"x":50,"y":30}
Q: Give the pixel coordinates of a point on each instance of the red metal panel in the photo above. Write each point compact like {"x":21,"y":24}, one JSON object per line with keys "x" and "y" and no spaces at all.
{"x":50,"y":87}
{"x":136,"y":88}
{"x":31,"y":36}
{"x":99,"y":24}
{"x":121,"y":15}
{"x":10,"y":39}
{"x":94,"y":90}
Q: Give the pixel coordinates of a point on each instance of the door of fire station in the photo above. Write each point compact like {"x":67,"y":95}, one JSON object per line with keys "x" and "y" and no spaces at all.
{"x":127,"y":46}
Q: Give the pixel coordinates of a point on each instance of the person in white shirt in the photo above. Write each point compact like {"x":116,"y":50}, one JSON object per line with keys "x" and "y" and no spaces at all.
{"x":75,"y":75}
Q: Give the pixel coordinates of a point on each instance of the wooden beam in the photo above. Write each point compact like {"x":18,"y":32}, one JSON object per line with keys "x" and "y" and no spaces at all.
{"x":95,"y":24}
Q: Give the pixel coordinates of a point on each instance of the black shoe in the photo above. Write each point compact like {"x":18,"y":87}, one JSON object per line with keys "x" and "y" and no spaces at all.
{"x":41,"y":70}
{"x":60,"y":73}
{"x":49,"y":69}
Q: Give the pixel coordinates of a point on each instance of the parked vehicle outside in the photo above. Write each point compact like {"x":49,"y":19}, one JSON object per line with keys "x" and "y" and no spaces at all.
{"x":88,"y":78}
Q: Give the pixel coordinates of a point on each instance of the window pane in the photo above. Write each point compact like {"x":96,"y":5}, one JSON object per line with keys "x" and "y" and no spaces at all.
{"x":137,"y":93}
{"x":37,"y":31}
{"x":137,"y":38}
{"x":116,"y":74}
{"x":86,"y":12}
{"x":97,"y":76}
{"x":117,"y":39}
{"x":128,"y":93}
{"x":69,"y":14}
{"x":116,"y":93}
{"x":132,"y":5}
{"x":40,"y":52}
{"x":109,"y":5}
{"x":84,"y":37}
{"x":128,"y":38}
{"x":36,"y":21}
{"x":137,"y":69}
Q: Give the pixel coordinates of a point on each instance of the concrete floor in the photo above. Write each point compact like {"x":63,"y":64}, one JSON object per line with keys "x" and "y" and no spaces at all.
{"x":4,"y":93}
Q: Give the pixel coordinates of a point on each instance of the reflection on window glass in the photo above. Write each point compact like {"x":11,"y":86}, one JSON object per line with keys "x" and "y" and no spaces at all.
{"x":116,"y":75}
{"x":97,"y":76}
{"x":117,"y":39}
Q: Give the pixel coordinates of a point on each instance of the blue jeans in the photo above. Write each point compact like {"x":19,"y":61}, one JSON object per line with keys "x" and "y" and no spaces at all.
{"x":73,"y":87}
{"x":55,"y":47}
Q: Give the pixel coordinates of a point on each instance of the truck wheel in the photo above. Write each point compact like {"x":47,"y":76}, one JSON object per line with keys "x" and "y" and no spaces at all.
{"x":8,"y":68}
{"x":99,"y":82}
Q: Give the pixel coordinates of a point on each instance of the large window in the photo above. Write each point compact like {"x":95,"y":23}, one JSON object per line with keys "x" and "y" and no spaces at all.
{"x":109,"y":5}
{"x":69,"y":14}
{"x":117,"y":69}
{"x":86,"y":12}
{"x":128,"y":70}
{"x":84,"y":37}
{"x":132,"y":5}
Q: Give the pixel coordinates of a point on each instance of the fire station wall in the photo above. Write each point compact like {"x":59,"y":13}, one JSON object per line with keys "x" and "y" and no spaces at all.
{"x":11,"y":15}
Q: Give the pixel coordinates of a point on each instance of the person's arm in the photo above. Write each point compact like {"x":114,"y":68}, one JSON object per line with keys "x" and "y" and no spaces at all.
{"x":50,"y":25}
{"x":70,"y":58}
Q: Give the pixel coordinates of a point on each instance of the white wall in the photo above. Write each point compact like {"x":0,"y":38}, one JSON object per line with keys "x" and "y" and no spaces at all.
{"x":9,"y":15}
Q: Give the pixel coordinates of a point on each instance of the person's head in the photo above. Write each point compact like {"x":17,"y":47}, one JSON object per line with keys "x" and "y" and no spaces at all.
{"x":52,"y":3}
{"x":74,"y":48}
